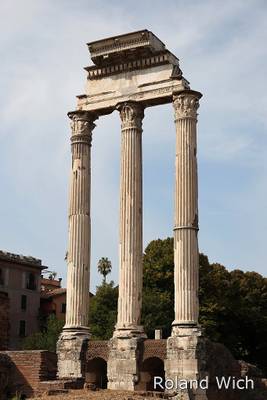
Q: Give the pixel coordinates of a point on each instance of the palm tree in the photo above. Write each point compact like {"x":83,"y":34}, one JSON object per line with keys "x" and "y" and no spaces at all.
{"x":104,"y":267}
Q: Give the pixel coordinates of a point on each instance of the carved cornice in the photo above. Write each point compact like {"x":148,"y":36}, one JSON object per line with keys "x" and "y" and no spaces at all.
{"x":124,"y":46}
{"x":118,"y":46}
{"x":95,"y":72}
{"x":186,"y":104}
{"x":131,"y":114}
{"x":82,"y":125}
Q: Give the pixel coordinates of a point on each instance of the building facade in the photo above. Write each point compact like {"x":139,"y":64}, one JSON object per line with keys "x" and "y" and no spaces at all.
{"x":4,"y":318}
{"x":20,"y":278}
{"x":53,"y":299}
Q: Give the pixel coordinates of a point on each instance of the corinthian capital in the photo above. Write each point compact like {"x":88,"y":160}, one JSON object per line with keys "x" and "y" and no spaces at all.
{"x":186,"y":104}
{"x":131,"y":114}
{"x":82,"y":125}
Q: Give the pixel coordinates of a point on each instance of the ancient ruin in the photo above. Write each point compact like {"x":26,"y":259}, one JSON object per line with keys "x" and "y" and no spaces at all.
{"x":130,"y":73}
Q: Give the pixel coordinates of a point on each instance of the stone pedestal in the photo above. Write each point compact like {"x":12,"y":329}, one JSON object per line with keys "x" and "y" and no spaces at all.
{"x":123,"y":362}
{"x":73,"y":341}
{"x":129,"y":334}
{"x":71,"y":352}
{"x":186,"y":360}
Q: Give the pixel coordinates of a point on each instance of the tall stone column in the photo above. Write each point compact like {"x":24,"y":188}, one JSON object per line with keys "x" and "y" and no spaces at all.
{"x":129,"y":334}
{"x":72,"y":344}
{"x":186,"y":257}
{"x":183,"y":347}
{"x":131,"y":229}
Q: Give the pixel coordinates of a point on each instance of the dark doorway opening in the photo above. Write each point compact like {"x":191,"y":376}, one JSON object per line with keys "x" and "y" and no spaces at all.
{"x":97,"y":372}
{"x":152,"y":367}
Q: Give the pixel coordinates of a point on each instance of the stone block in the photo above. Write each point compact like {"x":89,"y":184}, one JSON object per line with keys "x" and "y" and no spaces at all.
{"x":123,"y":363}
{"x":71,"y":351}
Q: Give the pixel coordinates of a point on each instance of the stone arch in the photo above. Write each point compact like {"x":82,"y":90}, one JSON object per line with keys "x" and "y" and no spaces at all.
{"x":151,"y":367}
{"x":96,"y":372}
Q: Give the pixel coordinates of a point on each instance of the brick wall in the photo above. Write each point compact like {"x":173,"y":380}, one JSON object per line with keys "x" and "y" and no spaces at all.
{"x":155,"y":348}
{"x":151,"y":348}
{"x":29,"y":368}
{"x":98,"y":348}
{"x":4,"y":318}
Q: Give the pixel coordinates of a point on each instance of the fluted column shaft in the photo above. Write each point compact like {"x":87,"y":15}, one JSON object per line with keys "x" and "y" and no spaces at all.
{"x":131,"y":237}
{"x":186,"y":255}
{"x":78,"y":256}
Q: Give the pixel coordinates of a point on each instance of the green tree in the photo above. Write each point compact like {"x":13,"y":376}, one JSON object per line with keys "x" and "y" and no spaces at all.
{"x":52,"y":275}
{"x":103,"y":311}
{"x":157,"y":311}
{"x":158,"y":265}
{"x":158,"y":287}
{"x":45,"y":340}
{"x":104,"y":267}
{"x":233,"y":304}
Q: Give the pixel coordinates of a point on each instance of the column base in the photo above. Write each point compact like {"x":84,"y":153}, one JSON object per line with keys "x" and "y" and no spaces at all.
{"x":124,"y":360}
{"x":72,"y":346}
{"x":127,"y":332}
{"x":185,"y":363}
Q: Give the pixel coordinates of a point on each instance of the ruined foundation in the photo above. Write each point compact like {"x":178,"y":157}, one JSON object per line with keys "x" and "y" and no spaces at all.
{"x":186,"y":359}
{"x":130,"y":73}
{"x":124,"y":363}
{"x":71,"y":351}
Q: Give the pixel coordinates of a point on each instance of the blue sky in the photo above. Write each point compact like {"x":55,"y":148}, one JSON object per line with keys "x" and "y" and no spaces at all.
{"x":223,"y":53}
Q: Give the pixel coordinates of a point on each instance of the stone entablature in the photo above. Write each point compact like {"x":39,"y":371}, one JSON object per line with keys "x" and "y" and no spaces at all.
{"x":105,"y":97}
{"x":166,"y":57}
{"x":115,"y":48}
{"x":131,"y":67}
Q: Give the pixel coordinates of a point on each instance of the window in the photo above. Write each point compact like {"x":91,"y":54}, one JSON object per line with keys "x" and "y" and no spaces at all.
{"x":24,"y":302}
{"x":63,"y":308}
{"x":31,"y":281}
{"x":1,"y":277}
{"x":22,"y":328}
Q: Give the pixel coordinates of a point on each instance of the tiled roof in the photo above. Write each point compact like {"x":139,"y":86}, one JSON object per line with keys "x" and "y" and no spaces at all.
{"x":46,"y":294}
{"x":20,"y":259}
